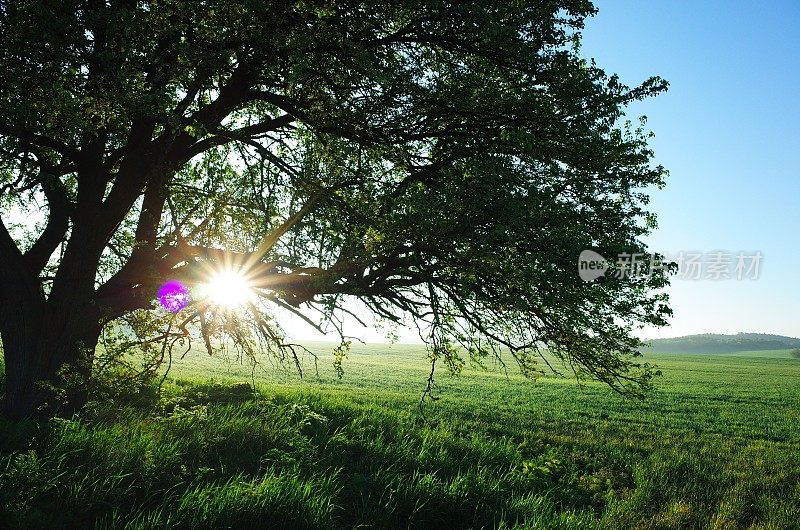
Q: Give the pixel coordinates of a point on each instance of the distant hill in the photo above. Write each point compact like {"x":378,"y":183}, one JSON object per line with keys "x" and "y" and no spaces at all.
{"x":716,"y":343}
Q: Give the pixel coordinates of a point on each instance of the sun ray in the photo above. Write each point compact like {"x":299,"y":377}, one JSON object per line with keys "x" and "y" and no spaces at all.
{"x":228,"y":289}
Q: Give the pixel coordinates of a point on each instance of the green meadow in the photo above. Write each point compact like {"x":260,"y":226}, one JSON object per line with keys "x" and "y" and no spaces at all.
{"x":224,"y":444}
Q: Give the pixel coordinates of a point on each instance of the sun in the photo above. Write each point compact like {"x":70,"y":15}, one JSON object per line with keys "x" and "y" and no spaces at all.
{"x":228,"y":289}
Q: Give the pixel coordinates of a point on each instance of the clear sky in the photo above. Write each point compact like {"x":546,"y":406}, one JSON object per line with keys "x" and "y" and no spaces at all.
{"x":727,"y":130}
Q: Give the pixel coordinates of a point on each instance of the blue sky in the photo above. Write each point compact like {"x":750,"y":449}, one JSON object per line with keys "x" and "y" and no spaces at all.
{"x":727,"y":130}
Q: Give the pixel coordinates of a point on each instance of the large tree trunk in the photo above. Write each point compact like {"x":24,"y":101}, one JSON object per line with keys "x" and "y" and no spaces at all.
{"x":48,"y":366}
{"x":49,"y":342}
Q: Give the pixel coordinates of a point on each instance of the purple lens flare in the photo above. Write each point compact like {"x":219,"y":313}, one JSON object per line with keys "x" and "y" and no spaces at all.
{"x":173,"y":296}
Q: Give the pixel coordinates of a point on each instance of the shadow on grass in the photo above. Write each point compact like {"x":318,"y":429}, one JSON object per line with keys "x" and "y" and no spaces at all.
{"x":210,"y":455}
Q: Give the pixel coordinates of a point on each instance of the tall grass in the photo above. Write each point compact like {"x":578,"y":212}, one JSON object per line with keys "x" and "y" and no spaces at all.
{"x":494,"y":453}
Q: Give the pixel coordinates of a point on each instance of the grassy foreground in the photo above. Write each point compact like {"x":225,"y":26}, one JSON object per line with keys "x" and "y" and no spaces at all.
{"x":716,"y":445}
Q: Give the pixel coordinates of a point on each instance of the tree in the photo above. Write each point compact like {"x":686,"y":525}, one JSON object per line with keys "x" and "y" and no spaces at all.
{"x":441,"y":162}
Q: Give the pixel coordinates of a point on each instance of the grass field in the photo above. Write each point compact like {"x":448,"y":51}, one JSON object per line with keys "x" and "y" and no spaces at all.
{"x":715,"y":445}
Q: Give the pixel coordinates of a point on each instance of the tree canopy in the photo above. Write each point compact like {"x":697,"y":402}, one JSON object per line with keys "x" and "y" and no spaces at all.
{"x":445,"y":162}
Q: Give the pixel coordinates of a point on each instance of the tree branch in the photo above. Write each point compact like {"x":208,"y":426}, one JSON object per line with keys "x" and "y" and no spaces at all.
{"x":17,"y":284}
{"x":222,"y":137}
{"x":57,"y":223}
{"x":42,"y":141}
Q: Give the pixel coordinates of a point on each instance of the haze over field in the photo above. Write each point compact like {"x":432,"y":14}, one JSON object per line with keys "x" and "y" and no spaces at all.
{"x":718,"y":343}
